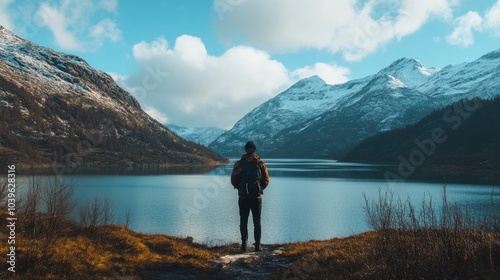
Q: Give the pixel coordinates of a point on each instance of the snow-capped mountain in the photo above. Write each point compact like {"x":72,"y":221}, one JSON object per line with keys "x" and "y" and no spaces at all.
{"x":303,"y":100}
{"x":57,"y":109}
{"x":344,"y":114}
{"x":201,"y":135}
{"x":408,"y":72}
{"x":479,"y":78}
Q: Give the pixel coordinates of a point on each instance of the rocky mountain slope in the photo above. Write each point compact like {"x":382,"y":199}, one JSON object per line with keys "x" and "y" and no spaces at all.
{"x":56,"y":109}
{"x":398,"y":95}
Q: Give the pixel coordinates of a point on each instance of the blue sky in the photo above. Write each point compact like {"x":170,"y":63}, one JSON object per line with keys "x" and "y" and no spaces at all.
{"x":207,"y":63}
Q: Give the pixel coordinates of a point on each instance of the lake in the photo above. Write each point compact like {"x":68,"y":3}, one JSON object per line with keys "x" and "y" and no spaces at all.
{"x":307,"y":199}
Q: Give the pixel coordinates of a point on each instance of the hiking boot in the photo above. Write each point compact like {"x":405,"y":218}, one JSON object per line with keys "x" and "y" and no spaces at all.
{"x":257,"y":247}
{"x":243,"y":247}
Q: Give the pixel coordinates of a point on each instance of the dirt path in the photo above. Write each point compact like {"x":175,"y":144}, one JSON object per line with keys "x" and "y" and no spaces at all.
{"x":252,"y":265}
{"x":235,"y":265}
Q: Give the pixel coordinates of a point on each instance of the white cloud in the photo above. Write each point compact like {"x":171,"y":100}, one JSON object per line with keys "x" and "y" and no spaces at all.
{"x":58,"y":25}
{"x":472,"y":22}
{"x":492,"y":19}
{"x":412,"y":15}
{"x":465,"y":26}
{"x":157,"y":48}
{"x":105,"y":29}
{"x":192,"y":51}
{"x":69,"y":22}
{"x":157,"y":115}
{"x":193,"y":88}
{"x":331,"y":74}
{"x":108,"y":5}
{"x":5,"y":15}
{"x":348,"y":27}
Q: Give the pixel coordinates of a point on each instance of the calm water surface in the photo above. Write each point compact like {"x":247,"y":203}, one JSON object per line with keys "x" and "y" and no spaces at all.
{"x":307,"y":199}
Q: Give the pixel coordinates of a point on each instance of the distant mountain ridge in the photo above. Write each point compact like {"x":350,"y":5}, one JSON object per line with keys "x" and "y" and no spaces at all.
{"x":462,"y":135}
{"x":274,"y":123}
{"x":201,"y":135}
{"x":264,"y":123}
{"x":326,"y":121}
{"x":56,"y":109}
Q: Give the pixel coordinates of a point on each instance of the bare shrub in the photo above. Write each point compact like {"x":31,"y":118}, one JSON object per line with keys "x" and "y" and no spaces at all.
{"x":98,"y":212}
{"x":128,"y":217}
{"x":379,"y":215}
{"x":420,"y":242}
{"x":57,"y":196}
{"x":31,"y":206}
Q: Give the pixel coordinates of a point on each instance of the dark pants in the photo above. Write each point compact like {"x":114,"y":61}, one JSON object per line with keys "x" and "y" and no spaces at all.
{"x":255,"y":205}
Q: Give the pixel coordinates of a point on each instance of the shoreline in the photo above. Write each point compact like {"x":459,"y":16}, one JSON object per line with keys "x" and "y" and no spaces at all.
{"x":488,"y":174}
{"x":113,"y":169}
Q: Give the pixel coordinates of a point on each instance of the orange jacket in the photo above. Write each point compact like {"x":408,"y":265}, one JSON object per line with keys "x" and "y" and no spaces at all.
{"x":236,"y":176}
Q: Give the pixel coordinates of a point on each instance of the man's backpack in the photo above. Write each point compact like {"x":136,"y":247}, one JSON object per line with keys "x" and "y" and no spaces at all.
{"x":250,"y":179}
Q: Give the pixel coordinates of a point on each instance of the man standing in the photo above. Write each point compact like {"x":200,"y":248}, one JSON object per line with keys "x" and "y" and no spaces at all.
{"x":250,"y":177}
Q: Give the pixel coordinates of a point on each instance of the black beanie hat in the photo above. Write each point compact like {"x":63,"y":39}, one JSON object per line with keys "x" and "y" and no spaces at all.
{"x":250,"y":147}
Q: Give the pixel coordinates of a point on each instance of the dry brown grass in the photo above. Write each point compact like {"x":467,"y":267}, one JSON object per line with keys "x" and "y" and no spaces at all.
{"x":397,"y":255}
{"x":105,"y":252}
{"x":337,"y":258}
